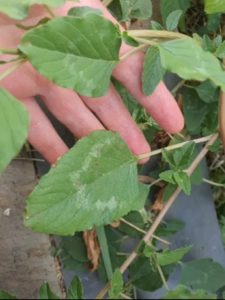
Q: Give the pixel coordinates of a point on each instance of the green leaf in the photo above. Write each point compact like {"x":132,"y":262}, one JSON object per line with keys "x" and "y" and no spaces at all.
{"x":214,"y":6}
{"x":183,"y":180}
{"x":135,"y":9}
{"x":169,"y":257}
{"x":76,"y":289}
{"x":203,"y":274}
{"x":83,"y":61}
{"x":132,"y":105}
{"x":168,"y":6}
{"x":173,"y":19}
{"x":208,"y":92}
{"x":94,"y":184}
{"x":184,"y":156}
{"x":46,"y":293}
{"x":13,"y":127}
{"x":195,"y":111}
{"x":220,"y":51}
{"x":5,"y":296}
{"x":188,"y":60}
{"x":156,"y":26}
{"x":167,"y":176}
{"x":183,"y":292}
{"x":145,"y":276}
{"x":19,"y":9}
{"x":129,"y":40}
{"x":75,"y":247}
{"x":84,"y":11}
{"x":153,"y":71}
{"x":116,"y":285}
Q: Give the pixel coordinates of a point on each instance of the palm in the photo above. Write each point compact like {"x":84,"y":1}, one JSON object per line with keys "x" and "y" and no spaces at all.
{"x":80,"y":115}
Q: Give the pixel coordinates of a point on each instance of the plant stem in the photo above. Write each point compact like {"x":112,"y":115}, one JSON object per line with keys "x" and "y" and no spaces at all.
{"x":9,"y":51}
{"x":10,"y":70}
{"x":222,"y":118}
{"x":149,"y":235}
{"x":144,"y":232}
{"x":173,"y":147}
{"x":177,"y":87}
{"x":161,"y":34}
{"x":146,"y":42}
{"x":105,"y":251}
{"x":50,"y":12}
{"x":162,"y":276}
{"x":131,"y":52}
{"x":213,"y":183}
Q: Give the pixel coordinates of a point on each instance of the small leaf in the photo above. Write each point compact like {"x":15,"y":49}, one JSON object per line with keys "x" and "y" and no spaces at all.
{"x":19,"y":9}
{"x":46,"y":293}
{"x":168,"y":6}
{"x":94,"y":184}
{"x":84,"y":11}
{"x":168,"y":176}
{"x":6,"y":296}
{"x":84,"y":60}
{"x":208,"y":92}
{"x":173,"y":19}
{"x":116,"y":285}
{"x":13,"y":127}
{"x":184,"y":156}
{"x":214,"y":6}
{"x":169,"y":257}
{"x":153,"y":71}
{"x":135,"y":9}
{"x":144,"y":275}
{"x":220,"y":51}
{"x":183,"y":292}
{"x":76,"y":289}
{"x":156,"y":26}
{"x":203,"y":274}
{"x":189,"y":61}
{"x":183,"y":181}
{"x":195,"y":111}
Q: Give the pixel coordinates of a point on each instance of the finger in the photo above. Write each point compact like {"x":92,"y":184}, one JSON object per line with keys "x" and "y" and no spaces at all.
{"x":70,"y":110}
{"x":42,"y":135}
{"x":114,"y":115}
{"x":161,"y":105}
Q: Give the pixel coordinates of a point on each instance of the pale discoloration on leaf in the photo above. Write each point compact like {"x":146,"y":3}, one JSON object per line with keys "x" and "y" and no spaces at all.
{"x":94,"y":184}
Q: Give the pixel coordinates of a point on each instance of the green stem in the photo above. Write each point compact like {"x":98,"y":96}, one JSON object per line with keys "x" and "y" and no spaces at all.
{"x":217,"y":184}
{"x":50,"y":12}
{"x":105,"y":251}
{"x":173,"y":147}
{"x":9,"y":51}
{"x":160,"y":34}
{"x":10,"y":70}
{"x":133,"y":51}
{"x":162,"y":276}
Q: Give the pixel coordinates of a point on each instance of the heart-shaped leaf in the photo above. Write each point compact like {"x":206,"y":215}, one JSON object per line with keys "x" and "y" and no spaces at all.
{"x":75,"y":52}
{"x":94,"y":184}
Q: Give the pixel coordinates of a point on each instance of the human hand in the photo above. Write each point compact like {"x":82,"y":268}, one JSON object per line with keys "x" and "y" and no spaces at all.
{"x":82,"y":115}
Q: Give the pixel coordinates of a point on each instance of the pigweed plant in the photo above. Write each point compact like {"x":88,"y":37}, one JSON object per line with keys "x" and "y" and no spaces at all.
{"x":97,"y":192}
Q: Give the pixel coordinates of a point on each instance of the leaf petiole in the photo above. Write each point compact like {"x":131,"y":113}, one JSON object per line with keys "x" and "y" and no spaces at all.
{"x":13,"y":68}
{"x":173,"y":147}
{"x":9,"y":51}
{"x":159,"y":34}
